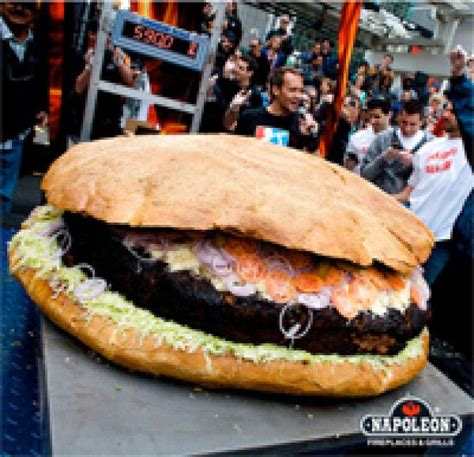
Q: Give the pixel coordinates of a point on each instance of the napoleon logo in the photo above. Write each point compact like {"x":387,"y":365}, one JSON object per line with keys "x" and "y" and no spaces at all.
{"x":411,"y":417}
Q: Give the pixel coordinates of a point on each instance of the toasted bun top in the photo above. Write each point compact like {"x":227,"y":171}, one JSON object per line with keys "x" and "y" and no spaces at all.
{"x":242,"y":185}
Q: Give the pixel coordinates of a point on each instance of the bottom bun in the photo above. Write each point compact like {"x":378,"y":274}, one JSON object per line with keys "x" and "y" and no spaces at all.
{"x":126,"y":347}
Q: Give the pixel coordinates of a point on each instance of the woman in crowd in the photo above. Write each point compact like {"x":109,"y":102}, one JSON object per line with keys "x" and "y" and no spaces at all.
{"x":327,"y":89}
{"x":276,"y":57}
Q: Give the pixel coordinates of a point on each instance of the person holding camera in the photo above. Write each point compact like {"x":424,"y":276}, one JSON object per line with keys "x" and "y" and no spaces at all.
{"x":115,"y":69}
{"x":282,"y":118}
{"x":388,"y":161}
{"x":230,"y":93}
{"x":379,"y":118}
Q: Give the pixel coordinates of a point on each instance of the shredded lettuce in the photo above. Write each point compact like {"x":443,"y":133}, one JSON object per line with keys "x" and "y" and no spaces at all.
{"x":34,"y":251}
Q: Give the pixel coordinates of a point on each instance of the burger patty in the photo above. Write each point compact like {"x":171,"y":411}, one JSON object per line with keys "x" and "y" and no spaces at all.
{"x":190,"y":300}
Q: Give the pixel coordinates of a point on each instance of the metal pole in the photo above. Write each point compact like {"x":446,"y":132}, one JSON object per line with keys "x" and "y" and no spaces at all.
{"x":450,"y":32}
{"x":83,"y":27}
{"x":129,"y":92}
{"x":206,"y":74}
{"x":96,"y":71}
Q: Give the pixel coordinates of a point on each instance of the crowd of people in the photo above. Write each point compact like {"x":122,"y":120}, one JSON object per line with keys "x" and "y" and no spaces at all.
{"x":412,"y":139}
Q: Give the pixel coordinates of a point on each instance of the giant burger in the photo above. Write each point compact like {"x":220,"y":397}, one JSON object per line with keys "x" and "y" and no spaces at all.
{"x":229,"y":262}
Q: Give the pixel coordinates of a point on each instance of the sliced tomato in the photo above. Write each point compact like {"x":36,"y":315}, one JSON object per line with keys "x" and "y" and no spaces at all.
{"x":307,"y":282}
{"x":343,"y":304}
{"x":362,"y":292}
{"x":250,"y":268}
{"x":279,"y":286}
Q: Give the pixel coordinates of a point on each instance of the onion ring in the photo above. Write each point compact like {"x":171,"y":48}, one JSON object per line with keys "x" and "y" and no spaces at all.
{"x":292,"y":333}
{"x":90,"y":289}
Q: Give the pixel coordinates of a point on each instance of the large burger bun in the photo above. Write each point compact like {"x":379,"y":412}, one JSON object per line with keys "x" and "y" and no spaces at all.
{"x":238,"y":186}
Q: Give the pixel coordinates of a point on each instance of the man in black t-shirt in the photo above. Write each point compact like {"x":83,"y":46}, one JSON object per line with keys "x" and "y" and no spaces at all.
{"x":283,"y":113}
{"x":240,"y":94}
{"x":231,"y":94}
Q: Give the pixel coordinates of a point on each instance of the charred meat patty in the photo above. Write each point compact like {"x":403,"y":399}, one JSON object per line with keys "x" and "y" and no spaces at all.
{"x":283,"y":312}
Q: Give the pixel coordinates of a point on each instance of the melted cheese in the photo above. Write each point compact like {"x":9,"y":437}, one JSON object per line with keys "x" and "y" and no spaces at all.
{"x":182,"y":258}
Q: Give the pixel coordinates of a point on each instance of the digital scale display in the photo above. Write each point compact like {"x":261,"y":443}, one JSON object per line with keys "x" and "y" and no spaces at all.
{"x":159,"y":40}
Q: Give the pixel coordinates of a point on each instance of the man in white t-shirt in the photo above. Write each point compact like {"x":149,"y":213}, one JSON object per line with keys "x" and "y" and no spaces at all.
{"x":437,"y":189}
{"x":387,"y":162}
{"x":379,"y":117}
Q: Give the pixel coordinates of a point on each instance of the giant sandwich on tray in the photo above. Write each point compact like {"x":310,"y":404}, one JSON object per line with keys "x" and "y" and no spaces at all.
{"x":229,"y":262}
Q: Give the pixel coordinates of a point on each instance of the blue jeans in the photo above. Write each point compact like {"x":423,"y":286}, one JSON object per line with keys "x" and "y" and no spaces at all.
{"x":11,"y":162}
{"x":438,"y":259}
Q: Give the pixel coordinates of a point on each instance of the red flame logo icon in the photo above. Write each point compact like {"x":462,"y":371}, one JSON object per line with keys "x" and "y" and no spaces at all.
{"x":411,"y":409}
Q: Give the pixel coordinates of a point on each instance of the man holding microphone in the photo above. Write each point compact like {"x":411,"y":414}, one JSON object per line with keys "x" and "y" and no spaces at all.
{"x":281,"y":122}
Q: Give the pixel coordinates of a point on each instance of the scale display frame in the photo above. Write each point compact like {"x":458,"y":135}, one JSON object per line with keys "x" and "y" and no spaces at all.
{"x":195,"y":63}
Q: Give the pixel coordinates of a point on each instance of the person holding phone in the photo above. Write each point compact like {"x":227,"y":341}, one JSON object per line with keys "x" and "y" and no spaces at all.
{"x":240,"y":94}
{"x":379,"y":118}
{"x":388,"y":161}
{"x":231,"y":92}
{"x":115,"y":69}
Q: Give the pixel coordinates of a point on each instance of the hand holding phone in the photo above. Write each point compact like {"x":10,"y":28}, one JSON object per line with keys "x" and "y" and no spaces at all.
{"x":240,"y":99}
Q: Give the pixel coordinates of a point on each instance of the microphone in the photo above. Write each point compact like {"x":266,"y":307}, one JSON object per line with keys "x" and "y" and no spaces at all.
{"x":313,"y":129}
